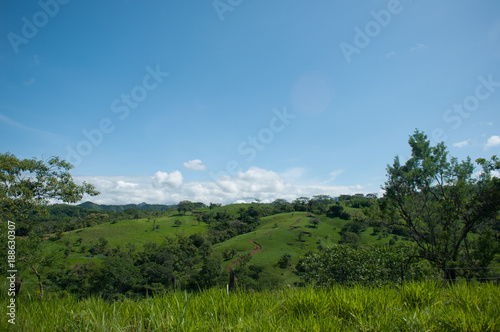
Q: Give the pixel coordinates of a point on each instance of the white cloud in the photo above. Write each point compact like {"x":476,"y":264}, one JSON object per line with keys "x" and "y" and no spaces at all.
{"x":123,"y":184}
{"x":417,"y":47}
{"x":461,"y":144}
{"x":164,"y":188}
{"x":195,"y":165}
{"x":173,"y":179}
{"x":492,"y":142}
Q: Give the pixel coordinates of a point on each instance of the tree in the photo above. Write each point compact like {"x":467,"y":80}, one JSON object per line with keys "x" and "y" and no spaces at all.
{"x":185,"y":206}
{"x":37,"y":258}
{"x":210,"y":272}
{"x":314,"y":222}
{"x":28,"y":185}
{"x":284,"y":261}
{"x":320,"y":203}
{"x":300,"y":204}
{"x":281,"y":205}
{"x":214,"y":205}
{"x":350,"y":238}
{"x":337,"y":211}
{"x":439,"y":200}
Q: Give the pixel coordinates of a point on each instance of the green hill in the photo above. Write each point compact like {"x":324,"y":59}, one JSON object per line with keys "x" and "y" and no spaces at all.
{"x":292,"y":233}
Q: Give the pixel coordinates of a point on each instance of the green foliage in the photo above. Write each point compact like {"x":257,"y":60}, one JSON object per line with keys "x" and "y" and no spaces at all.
{"x":314,"y":222}
{"x":375,"y":265}
{"x":27,"y":185}
{"x":439,"y":199}
{"x":284,"y":261}
{"x":356,"y":227}
{"x":337,"y":211}
{"x":350,"y":238}
{"x":185,"y":206}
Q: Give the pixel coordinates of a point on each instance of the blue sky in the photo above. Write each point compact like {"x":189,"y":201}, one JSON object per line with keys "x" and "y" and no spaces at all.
{"x":224,"y":101}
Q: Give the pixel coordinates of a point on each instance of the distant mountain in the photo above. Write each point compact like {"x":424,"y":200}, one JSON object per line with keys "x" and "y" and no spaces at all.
{"x":121,"y":208}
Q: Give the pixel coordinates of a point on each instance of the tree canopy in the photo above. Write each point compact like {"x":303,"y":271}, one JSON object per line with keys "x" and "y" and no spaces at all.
{"x":28,"y":185}
{"x":440,"y":200}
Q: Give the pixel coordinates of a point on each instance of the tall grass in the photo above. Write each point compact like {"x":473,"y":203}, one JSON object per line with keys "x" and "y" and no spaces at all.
{"x":414,"y":307}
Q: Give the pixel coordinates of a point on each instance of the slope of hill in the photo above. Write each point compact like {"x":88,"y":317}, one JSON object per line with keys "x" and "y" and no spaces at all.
{"x":287,"y":233}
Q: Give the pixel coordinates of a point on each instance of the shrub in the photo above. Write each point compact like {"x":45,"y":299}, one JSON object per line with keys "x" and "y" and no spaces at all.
{"x":376,"y":265}
{"x":284,"y":261}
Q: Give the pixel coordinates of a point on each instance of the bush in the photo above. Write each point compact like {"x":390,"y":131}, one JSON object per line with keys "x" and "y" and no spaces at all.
{"x":337,"y":211}
{"x":376,"y":265}
{"x":350,"y":238}
{"x":284,"y":261}
{"x":355,"y":227}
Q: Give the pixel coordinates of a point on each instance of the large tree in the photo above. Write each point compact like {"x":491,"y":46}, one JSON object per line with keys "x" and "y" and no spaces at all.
{"x":440,"y":200}
{"x":28,"y":185}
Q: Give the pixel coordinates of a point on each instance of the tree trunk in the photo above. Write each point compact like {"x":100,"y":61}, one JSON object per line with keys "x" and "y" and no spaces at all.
{"x":232,"y":282}
{"x":174,"y":282}
{"x":38,"y":276}
{"x":450,"y":275}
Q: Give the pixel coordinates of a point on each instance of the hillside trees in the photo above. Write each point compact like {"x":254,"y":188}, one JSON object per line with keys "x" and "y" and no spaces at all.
{"x":440,"y":201}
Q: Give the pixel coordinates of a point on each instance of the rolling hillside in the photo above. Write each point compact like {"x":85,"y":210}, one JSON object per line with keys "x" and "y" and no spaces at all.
{"x":291,"y":233}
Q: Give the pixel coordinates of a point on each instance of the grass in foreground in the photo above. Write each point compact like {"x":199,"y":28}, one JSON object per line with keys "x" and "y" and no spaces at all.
{"x":415,"y":307}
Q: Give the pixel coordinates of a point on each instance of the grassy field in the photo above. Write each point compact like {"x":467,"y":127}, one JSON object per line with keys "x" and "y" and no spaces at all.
{"x":414,"y":307}
{"x":135,"y":231}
